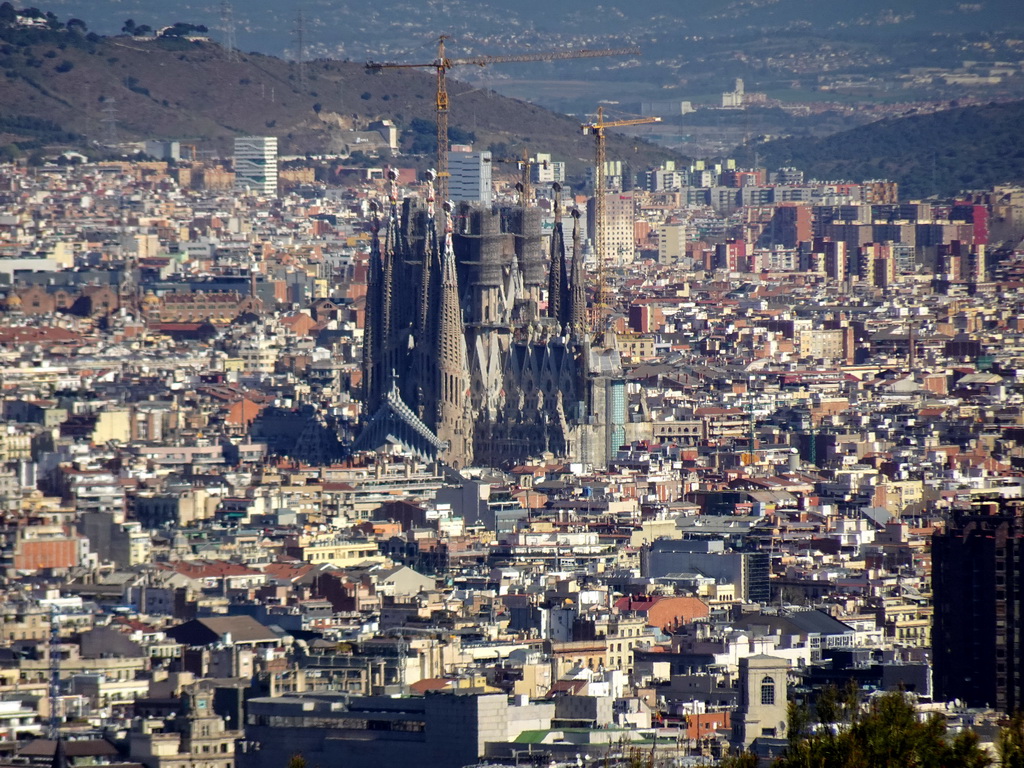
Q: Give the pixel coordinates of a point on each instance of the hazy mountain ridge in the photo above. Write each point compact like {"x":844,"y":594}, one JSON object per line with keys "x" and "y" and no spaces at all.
{"x":690,"y":50}
{"x":400,"y":25}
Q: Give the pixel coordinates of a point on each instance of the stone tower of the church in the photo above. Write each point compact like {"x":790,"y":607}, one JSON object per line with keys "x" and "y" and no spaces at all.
{"x":453,"y":423}
{"x":577,"y":313}
{"x":558,"y":279}
{"x":372,"y":330}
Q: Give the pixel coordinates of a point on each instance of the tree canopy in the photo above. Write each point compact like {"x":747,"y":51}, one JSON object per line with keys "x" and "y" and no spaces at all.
{"x":887,"y":733}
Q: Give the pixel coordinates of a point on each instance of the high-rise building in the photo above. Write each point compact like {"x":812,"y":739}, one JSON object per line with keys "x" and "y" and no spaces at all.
{"x":788,"y":176}
{"x":256,"y":164}
{"x":671,"y":242}
{"x":978,"y":588}
{"x":789,"y":225}
{"x":470,"y":180}
{"x":619,"y":230}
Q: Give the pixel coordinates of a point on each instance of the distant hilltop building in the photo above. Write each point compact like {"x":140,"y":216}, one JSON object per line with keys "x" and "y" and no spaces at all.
{"x":733,"y":99}
{"x":739,"y":97}
{"x":256,"y":164}
{"x":462,"y":363}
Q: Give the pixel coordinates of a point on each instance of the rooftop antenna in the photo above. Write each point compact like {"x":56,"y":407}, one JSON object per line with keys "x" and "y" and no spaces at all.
{"x":227,"y":22}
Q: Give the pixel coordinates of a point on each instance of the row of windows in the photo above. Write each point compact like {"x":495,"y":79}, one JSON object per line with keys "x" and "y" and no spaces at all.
{"x":208,"y":748}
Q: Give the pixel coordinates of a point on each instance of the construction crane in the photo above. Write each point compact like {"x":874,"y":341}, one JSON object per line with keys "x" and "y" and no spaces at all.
{"x":597,"y":129}
{"x":442,"y":64}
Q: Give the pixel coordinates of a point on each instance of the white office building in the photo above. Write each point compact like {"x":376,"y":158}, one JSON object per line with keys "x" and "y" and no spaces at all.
{"x":470,"y":176}
{"x":547,"y":171}
{"x":256,"y":164}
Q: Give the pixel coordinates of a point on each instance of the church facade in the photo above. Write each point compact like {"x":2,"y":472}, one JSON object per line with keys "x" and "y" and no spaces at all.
{"x":463,"y":361}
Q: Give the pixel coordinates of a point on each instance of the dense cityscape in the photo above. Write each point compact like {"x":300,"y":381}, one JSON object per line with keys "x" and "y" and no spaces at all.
{"x":309,"y":462}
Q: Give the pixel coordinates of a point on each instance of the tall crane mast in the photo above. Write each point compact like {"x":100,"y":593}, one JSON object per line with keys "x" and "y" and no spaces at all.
{"x":597,"y":129}
{"x":442,"y":64}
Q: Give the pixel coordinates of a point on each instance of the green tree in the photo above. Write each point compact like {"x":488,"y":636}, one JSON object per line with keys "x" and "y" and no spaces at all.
{"x":827,"y":706}
{"x":297,"y":761}
{"x":7,"y":14}
{"x":799,"y":719}
{"x":1010,"y":744}
{"x":11,"y":152}
{"x":886,"y":734}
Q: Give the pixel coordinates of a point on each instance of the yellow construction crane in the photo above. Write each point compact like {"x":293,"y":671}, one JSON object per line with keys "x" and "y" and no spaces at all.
{"x":442,"y":64}
{"x":597,"y":129}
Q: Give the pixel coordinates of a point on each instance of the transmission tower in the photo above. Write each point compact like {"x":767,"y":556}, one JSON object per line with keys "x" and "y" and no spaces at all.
{"x":227,"y":22}
{"x":109,"y":121}
{"x":300,"y":48}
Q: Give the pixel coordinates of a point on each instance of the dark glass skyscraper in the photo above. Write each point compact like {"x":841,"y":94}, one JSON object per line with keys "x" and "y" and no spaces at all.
{"x":978,"y":584}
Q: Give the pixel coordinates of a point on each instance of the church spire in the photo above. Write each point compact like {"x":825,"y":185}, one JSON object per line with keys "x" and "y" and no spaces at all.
{"x":426,"y":368}
{"x":577,"y":314}
{"x":388,"y":259}
{"x":60,"y":755}
{"x":372,"y":338}
{"x":558,"y":284}
{"x":452,"y":360}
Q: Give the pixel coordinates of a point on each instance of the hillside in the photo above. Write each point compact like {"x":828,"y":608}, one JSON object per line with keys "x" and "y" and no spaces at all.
{"x":393,"y":27}
{"x":941,"y":153}
{"x":63,"y":85}
{"x":691,"y":50}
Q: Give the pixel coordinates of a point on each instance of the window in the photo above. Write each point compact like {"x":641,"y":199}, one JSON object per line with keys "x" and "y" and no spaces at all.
{"x":767,"y":690}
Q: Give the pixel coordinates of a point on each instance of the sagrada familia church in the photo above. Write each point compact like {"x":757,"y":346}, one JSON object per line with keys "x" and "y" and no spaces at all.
{"x":462,"y":360}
